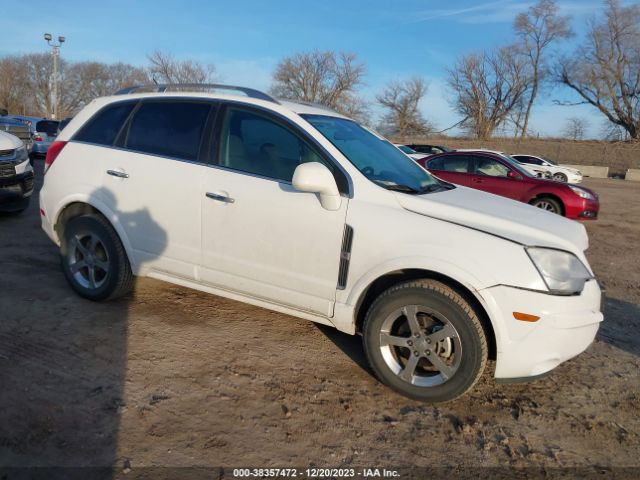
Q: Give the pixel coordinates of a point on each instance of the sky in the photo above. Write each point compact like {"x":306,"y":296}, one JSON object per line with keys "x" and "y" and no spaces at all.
{"x":245,"y":39}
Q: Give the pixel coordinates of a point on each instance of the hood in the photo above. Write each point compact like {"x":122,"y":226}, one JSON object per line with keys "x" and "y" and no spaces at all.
{"x":9,"y":142}
{"x":499,"y":216}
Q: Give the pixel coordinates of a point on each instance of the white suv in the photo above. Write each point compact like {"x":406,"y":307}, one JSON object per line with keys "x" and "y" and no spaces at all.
{"x":298,"y":209}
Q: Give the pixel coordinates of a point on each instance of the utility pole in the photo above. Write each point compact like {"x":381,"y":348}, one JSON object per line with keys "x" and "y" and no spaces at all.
{"x":55,"y":53}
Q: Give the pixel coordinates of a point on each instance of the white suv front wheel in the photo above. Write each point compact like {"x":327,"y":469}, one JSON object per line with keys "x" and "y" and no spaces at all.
{"x":425,"y":341}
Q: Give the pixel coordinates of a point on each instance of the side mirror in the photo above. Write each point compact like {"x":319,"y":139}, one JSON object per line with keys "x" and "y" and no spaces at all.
{"x":313,"y":177}
{"x":514,"y":175}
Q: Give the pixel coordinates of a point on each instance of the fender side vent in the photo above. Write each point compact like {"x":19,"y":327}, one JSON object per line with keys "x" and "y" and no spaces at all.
{"x":345,"y":257}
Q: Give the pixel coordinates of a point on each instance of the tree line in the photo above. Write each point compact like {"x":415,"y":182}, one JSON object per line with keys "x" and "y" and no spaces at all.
{"x":492,"y":91}
{"x":26,"y":87}
{"x":500,"y":87}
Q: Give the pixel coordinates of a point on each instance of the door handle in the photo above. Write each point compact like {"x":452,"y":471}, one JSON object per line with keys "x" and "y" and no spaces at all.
{"x":220,"y":198}
{"x":118,"y":173}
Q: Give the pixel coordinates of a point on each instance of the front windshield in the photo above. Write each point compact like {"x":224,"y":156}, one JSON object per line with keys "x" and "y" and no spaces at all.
{"x":552,"y":162}
{"x":375,"y":157}
{"x":517,"y":165}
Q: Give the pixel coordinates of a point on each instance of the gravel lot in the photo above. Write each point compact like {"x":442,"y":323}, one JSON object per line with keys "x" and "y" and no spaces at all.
{"x":173,"y":377}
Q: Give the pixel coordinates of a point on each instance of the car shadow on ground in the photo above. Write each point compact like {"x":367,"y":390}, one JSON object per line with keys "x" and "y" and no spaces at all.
{"x":350,"y":345}
{"x":63,"y":359}
{"x":621,"y":325}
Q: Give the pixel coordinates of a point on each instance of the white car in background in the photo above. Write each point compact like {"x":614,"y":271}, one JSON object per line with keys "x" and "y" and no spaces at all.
{"x":301,"y":210}
{"x":410,"y":152}
{"x":536,"y":171}
{"x":559,"y":173}
{"x":16,"y":174}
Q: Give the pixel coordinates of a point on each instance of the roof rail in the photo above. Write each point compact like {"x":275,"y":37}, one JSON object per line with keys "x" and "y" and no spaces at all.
{"x":163,"y":87}
{"x":311,"y":104}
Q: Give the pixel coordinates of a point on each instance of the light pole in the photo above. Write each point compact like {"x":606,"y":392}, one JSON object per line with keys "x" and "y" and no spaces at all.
{"x":55,"y":52}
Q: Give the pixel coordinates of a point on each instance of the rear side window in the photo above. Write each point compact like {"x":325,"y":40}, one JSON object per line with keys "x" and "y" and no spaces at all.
{"x":451,"y":163}
{"x":172,"y":129}
{"x":105,"y":125}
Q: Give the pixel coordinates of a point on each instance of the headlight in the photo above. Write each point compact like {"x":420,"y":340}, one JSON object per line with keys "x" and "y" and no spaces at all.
{"x":582,"y":193}
{"x":21,"y":154}
{"x":562,"y":272}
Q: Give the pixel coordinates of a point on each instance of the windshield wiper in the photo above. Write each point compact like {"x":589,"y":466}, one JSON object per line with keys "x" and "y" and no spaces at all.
{"x":436,"y":187}
{"x":396,"y":187}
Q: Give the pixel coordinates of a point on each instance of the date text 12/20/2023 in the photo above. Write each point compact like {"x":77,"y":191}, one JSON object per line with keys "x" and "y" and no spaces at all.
{"x":314,"y":473}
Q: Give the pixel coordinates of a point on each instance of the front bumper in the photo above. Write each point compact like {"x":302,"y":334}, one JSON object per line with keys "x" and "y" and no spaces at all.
{"x":16,"y":185}
{"x":582,"y":209}
{"x":574,"y":178}
{"x":567,"y":326}
{"x":15,"y":191}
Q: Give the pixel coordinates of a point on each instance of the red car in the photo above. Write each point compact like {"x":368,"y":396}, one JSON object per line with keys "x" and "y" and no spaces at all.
{"x":497,"y":173}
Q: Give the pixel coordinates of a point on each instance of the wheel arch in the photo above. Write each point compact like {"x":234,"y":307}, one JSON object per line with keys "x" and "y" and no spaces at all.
{"x":76,"y":207}
{"x":395,"y":277}
{"x":552,"y":196}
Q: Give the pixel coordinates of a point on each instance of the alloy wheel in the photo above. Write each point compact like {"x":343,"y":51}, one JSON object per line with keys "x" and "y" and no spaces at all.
{"x":420,"y":345}
{"x":559,"y":177}
{"x":544,"y":205}
{"x":88,"y":260}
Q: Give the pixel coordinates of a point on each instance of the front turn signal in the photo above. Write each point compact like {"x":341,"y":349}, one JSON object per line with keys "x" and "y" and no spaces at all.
{"x":525,"y":317}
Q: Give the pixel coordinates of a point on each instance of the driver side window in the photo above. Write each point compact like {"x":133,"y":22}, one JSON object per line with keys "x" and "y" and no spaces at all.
{"x":255,"y":144}
{"x":490,"y":167}
{"x":533,"y":161}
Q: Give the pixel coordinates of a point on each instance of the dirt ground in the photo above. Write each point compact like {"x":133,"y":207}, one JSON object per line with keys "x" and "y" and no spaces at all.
{"x":175,"y":378}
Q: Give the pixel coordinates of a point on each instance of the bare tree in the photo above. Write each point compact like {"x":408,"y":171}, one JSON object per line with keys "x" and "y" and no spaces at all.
{"x":327,"y":78}
{"x":356,"y":107}
{"x":164,"y":68}
{"x":85,"y":81}
{"x":612,"y":132}
{"x":488,"y":88}
{"x":26,"y":83}
{"x":605,"y":71}
{"x":39,"y":67}
{"x":401,"y":100}
{"x":575,"y":128}
{"x":14,"y":88}
{"x":537,"y":29}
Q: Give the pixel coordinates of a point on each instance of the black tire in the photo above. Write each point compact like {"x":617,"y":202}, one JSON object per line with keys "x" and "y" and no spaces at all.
{"x":470,"y":353}
{"x":549,"y":204}
{"x":111,"y":282}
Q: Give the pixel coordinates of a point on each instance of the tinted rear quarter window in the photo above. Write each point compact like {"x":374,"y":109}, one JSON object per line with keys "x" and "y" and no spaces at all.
{"x":172,"y":129}
{"x":105,"y":125}
{"x":435,"y":163}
